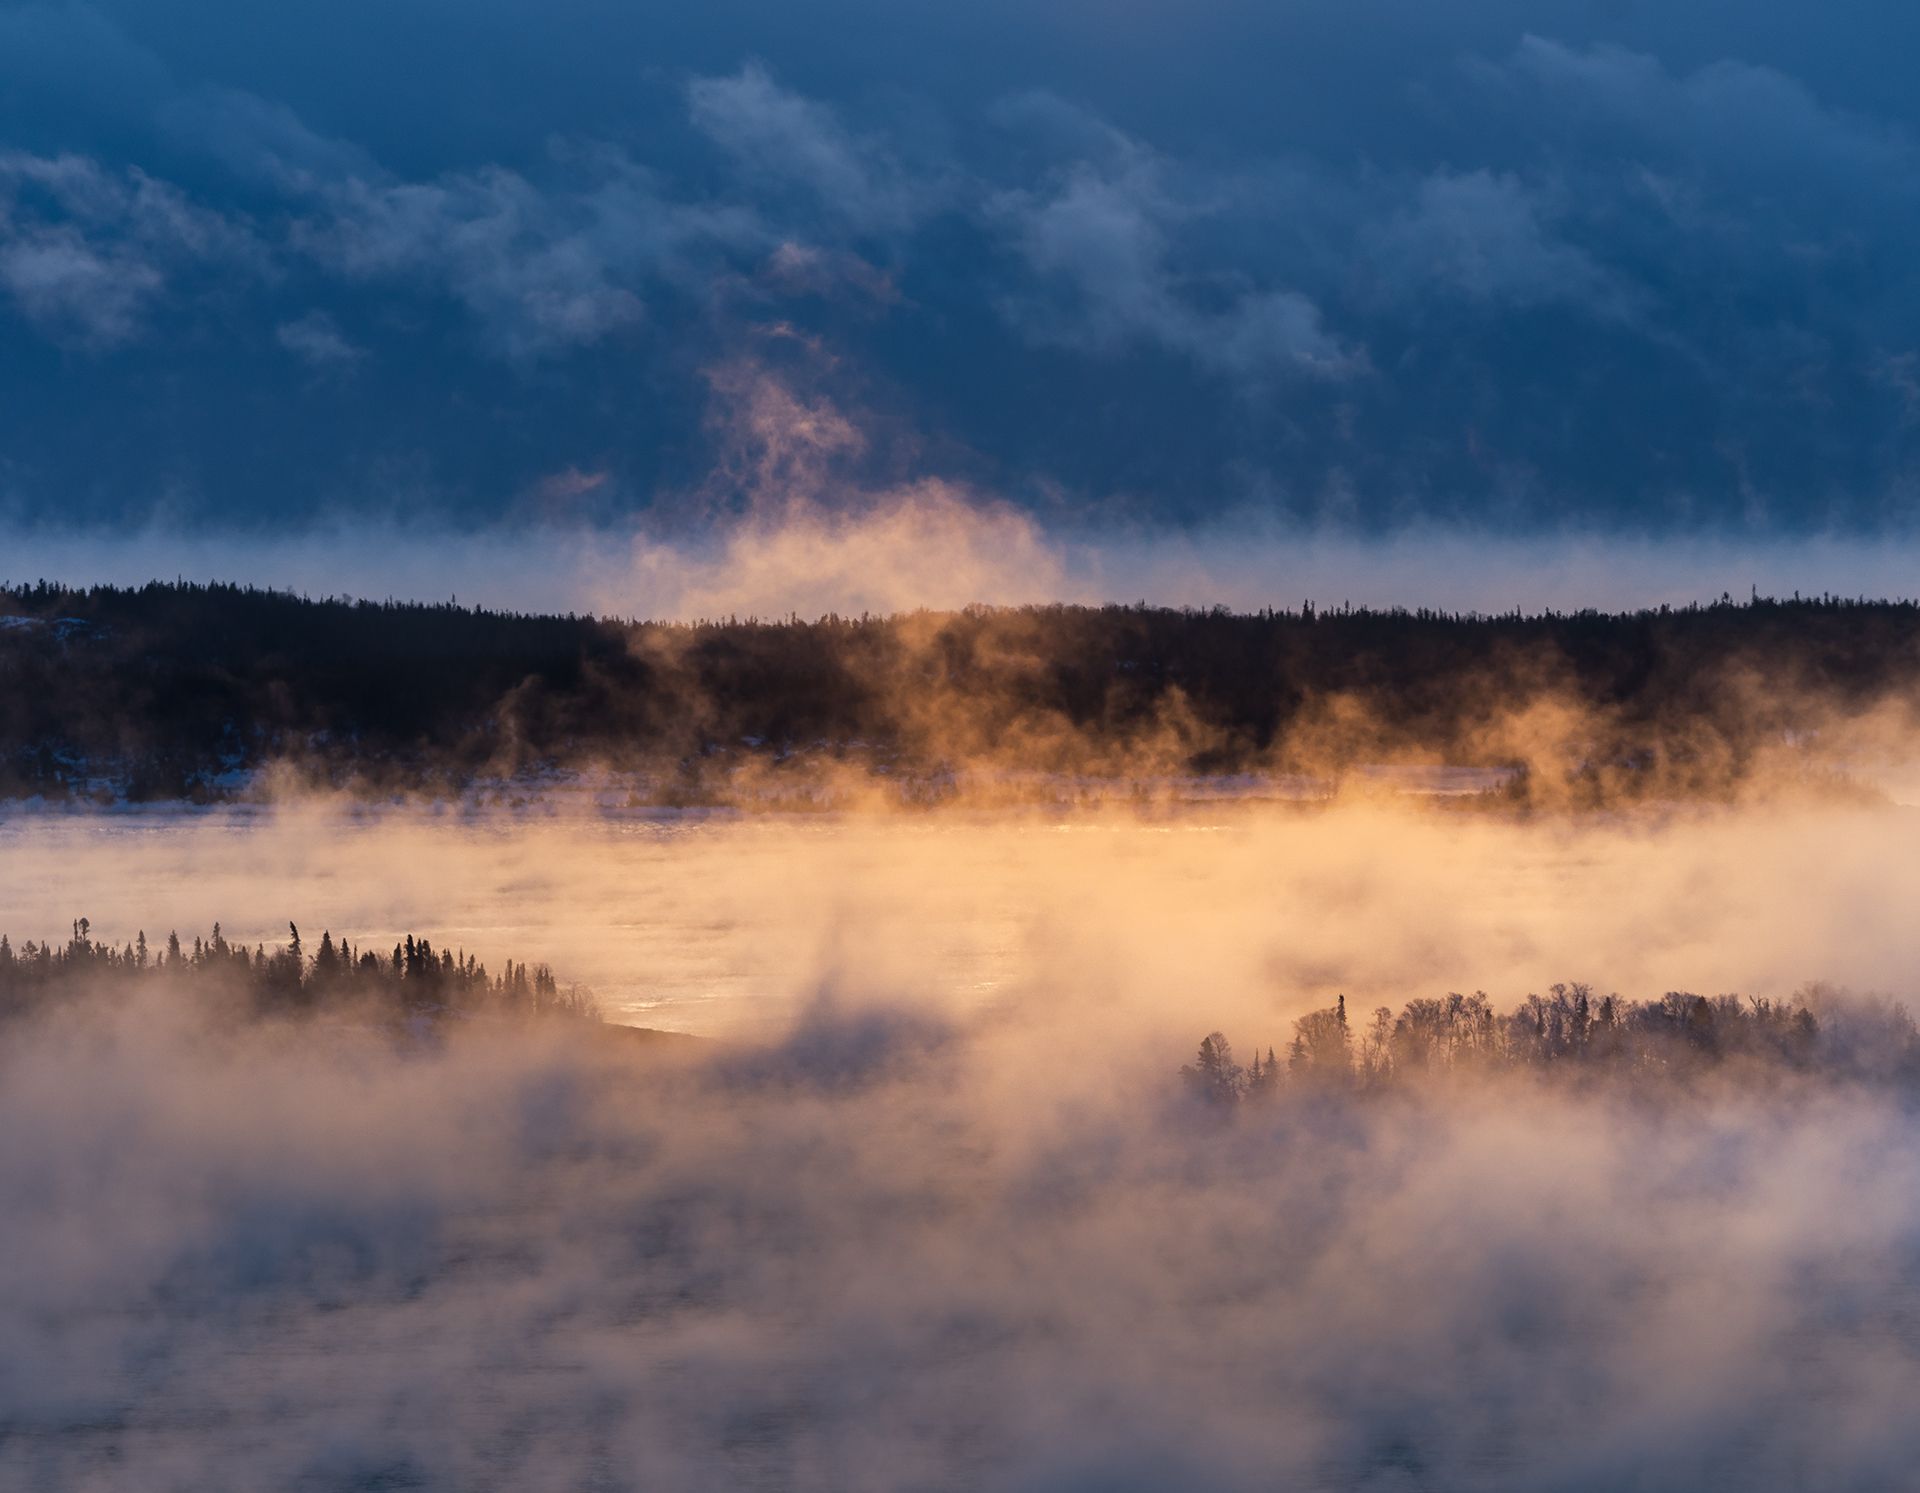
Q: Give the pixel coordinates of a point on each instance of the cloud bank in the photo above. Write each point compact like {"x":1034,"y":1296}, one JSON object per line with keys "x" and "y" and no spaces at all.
{"x":1615,"y":270}
{"x":814,"y":504}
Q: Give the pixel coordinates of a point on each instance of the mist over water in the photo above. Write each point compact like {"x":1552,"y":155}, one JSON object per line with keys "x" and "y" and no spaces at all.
{"x":725,"y":923}
{"x":937,"y":1212}
{"x":941,"y":1219}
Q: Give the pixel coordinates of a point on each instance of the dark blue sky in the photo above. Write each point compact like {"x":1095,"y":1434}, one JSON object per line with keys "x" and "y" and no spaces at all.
{"x":1595,"y":265}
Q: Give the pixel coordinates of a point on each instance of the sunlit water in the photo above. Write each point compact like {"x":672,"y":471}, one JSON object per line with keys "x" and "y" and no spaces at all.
{"x":719,"y":922}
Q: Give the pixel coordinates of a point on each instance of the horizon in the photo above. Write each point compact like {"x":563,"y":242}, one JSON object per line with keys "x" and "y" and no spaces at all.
{"x":887,"y":559}
{"x":1308,"y":610}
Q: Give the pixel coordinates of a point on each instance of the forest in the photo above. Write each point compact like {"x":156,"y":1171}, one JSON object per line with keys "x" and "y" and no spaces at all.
{"x":1571,"y":1034}
{"x":415,"y":980}
{"x":182,"y":690}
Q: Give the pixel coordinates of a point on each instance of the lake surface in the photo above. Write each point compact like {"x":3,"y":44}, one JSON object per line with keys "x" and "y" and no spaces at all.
{"x":720,"y":922}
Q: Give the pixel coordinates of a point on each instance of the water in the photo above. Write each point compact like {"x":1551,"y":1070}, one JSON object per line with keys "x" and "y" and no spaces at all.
{"x":720,"y":922}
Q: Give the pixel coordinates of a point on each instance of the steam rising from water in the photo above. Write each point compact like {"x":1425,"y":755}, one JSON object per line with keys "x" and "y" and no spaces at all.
{"x":889,"y":1250}
{"x":1236,"y":916}
{"x":940,"y":1215}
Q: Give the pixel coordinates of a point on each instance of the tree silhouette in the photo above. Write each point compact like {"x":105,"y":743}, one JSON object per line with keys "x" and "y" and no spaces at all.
{"x":1680,"y":1037}
{"x":419,"y":981}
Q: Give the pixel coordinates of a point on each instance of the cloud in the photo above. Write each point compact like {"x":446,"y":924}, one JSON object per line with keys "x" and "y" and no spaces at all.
{"x":1102,"y":238}
{"x":86,"y":251}
{"x":1405,"y":270}
{"x":569,"y":483}
{"x":542,"y":269}
{"x":260,"y":140}
{"x":74,"y":292}
{"x":788,"y":140}
{"x":316,"y":339}
{"x":1749,"y":122}
{"x":795,"y":269}
{"x":1479,"y":236}
{"x":527,"y":267}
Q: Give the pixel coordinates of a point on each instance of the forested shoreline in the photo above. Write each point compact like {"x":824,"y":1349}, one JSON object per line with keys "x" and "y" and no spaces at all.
{"x":1570,"y":1034}
{"x":414,"y":980}
{"x":180,"y":691}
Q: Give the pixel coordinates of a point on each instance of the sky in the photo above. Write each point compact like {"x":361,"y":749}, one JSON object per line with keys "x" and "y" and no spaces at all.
{"x":1369,"y":267}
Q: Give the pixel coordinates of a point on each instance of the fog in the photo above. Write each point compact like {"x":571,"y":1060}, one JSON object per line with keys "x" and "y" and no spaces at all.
{"x":1217,"y":914}
{"x":932,"y":1208}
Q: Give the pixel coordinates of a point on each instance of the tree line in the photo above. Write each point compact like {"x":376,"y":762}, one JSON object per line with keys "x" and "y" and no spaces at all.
{"x":1567,"y":1032}
{"x":169,"y":690}
{"x":414,"y":980}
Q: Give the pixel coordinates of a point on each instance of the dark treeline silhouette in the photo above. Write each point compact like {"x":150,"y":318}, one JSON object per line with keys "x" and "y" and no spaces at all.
{"x":413,"y":980}
{"x":169,"y":691}
{"x":1569,"y":1033}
